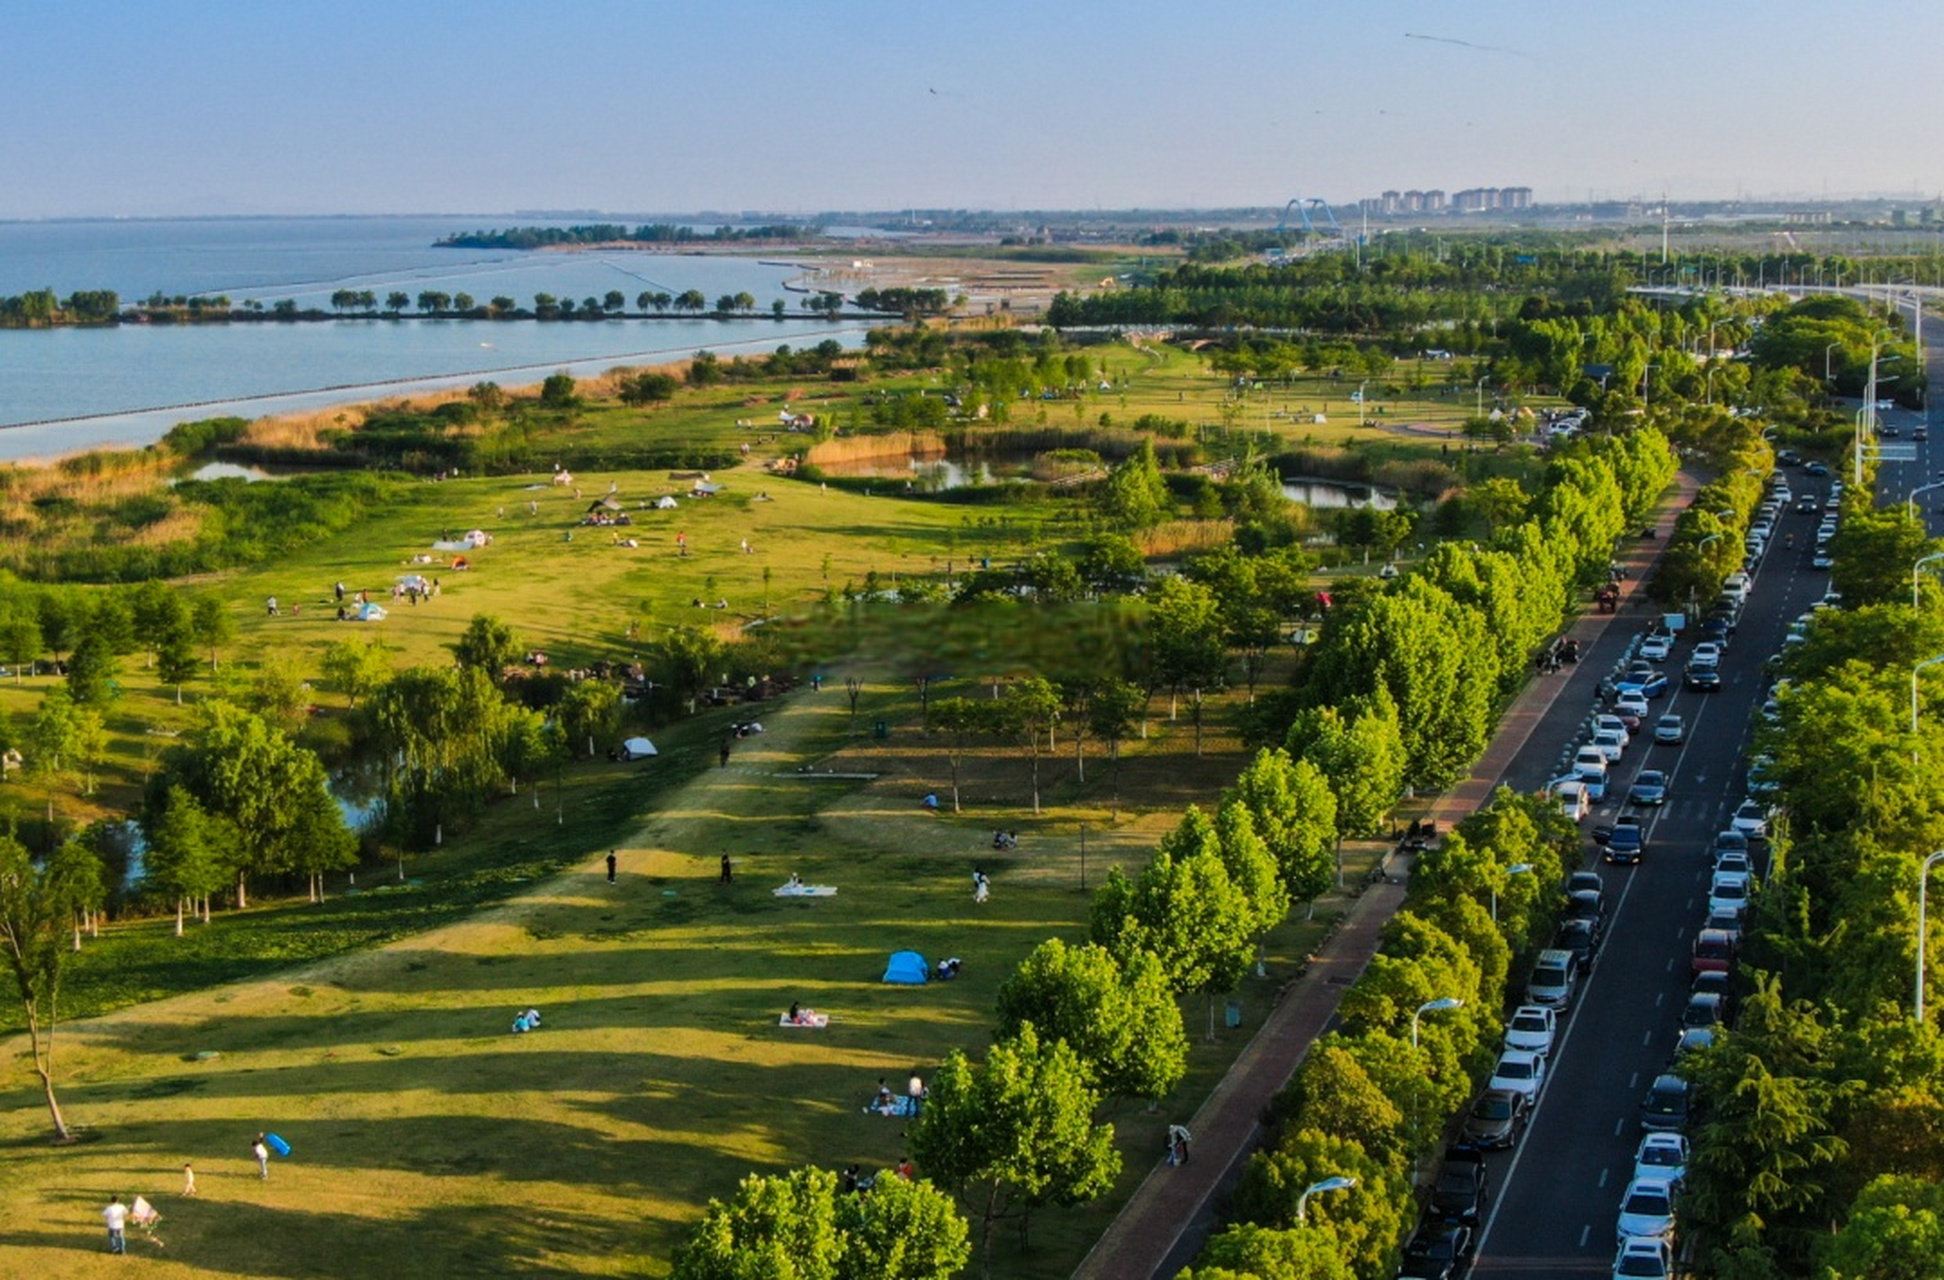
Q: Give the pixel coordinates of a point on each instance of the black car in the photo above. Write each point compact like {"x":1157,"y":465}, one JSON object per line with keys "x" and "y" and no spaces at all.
{"x":1665,"y":1108}
{"x":1496,"y":1119}
{"x":1439,"y":1251}
{"x":1583,"y":939}
{"x":1587,"y":880}
{"x":1585,"y":904}
{"x":1703,"y":679}
{"x":1459,"y":1195}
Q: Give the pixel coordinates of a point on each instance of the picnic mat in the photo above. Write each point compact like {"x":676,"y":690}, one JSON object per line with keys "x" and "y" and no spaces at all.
{"x":806,"y":891}
{"x":810,"y":1020}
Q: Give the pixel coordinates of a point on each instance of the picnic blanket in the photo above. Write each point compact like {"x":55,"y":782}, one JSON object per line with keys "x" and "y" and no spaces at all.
{"x":810,"y":1020}
{"x":806,"y":891}
{"x":898,"y":1106}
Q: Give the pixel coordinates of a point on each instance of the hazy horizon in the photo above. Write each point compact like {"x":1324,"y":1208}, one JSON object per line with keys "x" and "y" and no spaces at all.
{"x":309,"y":109}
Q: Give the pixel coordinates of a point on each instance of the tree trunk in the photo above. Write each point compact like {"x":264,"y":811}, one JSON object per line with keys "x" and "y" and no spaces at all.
{"x":1080,"y":757}
{"x":242,"y":893}
{"x":178,"y":932}
{"x":1036,"y":802}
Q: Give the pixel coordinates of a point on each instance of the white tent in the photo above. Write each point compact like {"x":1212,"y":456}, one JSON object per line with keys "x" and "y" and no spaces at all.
{"x":370,"y":613}
{"x":638,"y":749}
{"x":666,"y":503}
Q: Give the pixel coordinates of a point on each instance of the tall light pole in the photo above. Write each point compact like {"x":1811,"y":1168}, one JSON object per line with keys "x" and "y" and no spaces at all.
{"x":1922,"y":488}
{"x":1480,"y":389}
{"x":1647,"y":386}
{"x":1827,"y":375}
{"x":1927,"y":662}
{"x":1360,"y":402}
{"x":1917,"y":570}
{"x":1440,"y":1005}
{"x":1337,"y":1183}
{"x":1923,"y":884}
{"x":1516,"y":869}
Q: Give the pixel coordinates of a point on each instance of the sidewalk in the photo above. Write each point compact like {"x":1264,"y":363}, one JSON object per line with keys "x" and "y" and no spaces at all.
{"x":1163,"y":1225}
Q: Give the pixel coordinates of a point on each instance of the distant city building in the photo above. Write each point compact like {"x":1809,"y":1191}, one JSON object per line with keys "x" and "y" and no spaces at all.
{"x":1391,"y":202}
{"x":1515,"y":198}
{"x":1470,"y":200}
{"x":1807,"y":217}
{"x":1434,"y":201}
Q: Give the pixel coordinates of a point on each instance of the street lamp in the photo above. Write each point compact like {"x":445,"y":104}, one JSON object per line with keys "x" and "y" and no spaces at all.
{"x":1360,"y":402}
{"x":1480,"y":389}
{"x":1916,"y":570}
{"x":1440,"y":1005}
{"x":1336,"y":1183}
{"x":1923,"y":884}
{"x":1922,"y":488}
{"x":1927,"y":662}
{"x":1827,"y":376}
{"x":1516,"y":869}
{"x":1647,"y":386}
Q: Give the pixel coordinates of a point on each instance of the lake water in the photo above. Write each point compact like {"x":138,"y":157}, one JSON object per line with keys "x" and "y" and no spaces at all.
{"x":130,"y":384}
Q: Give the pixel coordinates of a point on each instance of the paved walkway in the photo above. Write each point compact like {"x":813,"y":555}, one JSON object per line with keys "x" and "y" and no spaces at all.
{"x":1171,"y":1213}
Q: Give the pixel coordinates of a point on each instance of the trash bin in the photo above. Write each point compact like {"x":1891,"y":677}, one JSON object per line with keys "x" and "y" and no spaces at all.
{"x":881,"y":729}
{"x":1233,"y":1016}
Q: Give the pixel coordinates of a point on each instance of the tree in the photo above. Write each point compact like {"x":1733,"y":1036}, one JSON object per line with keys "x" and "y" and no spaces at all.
{"x":1112,"y":713}
{"x":441,"y":733}
{"x":691,"y":300}
{"x":1121,"y":1019}
{"x":1895,"y":1228}
{"x":1186,"y":910}
{"x":357,"y":667}
{"x":1015,"y":1132}
{"x":774,"y":1228}
{"x":212,"y":626}
{"x":557,"y":391}
{"x":1032,"y":709}
{"x":1251,"y":867}
{"x":1134,"y":496}
{"x":395,"y":302}
{"x":189,"y":850}
{"x":489,"y":646}
{"x":901,"y":1231}
{"x":960,"y":720}
{"x":690,"y":657}
{"x":1186,"y":636}
{"x":1245,"y":1251}
{"x":176,"y":660}
{"x":36,"y":909}
{"x":20,"y":642}
{"x":588,"y":711}
{"x":1363,"y":1222}
{"x":613,"y":300}
{"x":91,"y":671}
{"x":1295,"y":813}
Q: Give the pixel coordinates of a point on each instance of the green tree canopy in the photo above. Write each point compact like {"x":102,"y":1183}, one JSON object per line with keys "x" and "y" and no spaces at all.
{"x":1122,"y":1020}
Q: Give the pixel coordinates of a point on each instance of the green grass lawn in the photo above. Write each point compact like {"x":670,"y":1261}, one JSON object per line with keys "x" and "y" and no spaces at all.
{"x":431,"y":1141}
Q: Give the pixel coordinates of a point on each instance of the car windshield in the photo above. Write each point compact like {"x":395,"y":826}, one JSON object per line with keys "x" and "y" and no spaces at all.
{"x":1663,"y":1156}
{"x":1641,"y":1264}
{"x":1650,"y":1201}
{"x":1515,"y":1069}
{"x":1493,"y":1109}
{"x":1730,"y":892}
{"x":1529,"y":1022}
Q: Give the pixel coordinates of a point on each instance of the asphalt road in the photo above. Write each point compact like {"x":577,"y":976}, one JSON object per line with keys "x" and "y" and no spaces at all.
{"x":1557,"y":1194}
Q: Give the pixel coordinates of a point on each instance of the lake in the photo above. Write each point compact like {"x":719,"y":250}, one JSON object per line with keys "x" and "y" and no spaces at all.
{"x":129,"y":384}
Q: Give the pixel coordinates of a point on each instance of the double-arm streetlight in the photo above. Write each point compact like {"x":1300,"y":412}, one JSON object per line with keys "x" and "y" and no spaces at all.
{"x":1336,"y":1183}
{"x":1917,"y":571}
{"x":1923,"y":884}
{"x":1922,"y":488}
{"x":1440,"y":1005}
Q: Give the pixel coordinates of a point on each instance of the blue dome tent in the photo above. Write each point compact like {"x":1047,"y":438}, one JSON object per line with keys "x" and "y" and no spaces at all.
{"x":907,"y":968}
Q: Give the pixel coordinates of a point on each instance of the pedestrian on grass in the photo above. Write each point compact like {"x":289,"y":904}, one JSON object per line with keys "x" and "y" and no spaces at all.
{"x":262,"y":1154}
{"x":725,"y":753}
{"x":188,"y":1179}
{"x":116,"y":1216}
{"x":728,"y":872}
{"x":611,"y":853}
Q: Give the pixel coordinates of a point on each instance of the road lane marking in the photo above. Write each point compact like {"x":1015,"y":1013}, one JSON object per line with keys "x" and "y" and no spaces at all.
{"x":1659,"y":998}
{"x":1585,"y":1231}
{"x":1603,"y":1176}
{"x":1633,"y":1081}
{"x":1646,"y":1038}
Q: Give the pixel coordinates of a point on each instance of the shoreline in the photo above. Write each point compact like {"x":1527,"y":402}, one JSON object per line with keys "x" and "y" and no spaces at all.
{"x":147,"y":423}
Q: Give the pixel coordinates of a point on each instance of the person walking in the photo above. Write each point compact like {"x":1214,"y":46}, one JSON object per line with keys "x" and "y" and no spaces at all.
{"x":262,"y":1154}
{"x":611,"y":853}
{"x":188,"y":1179}
{"x":116,"y":1216}
{"x":728,"y":872}
{"x":725,"y":753}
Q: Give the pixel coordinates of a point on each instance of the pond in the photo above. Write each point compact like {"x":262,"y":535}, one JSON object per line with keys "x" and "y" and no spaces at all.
{"x":1334,"y":494}
{"x":928,"y":475}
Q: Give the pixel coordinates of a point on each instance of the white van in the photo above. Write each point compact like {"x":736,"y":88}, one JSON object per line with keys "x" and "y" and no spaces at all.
{"x":1553,"y":977}
{"x":1737,"y":585}
{"x":1572,"y":797}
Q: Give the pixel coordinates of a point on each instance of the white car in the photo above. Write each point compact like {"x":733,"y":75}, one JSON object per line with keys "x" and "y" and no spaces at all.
{"x":1661,"y":1155}
{"x":1733,"y":861}
{"x":1631,"y":704}
{"x":1728,"y":893}
{"x":1644,"y":1259}
{"x":1531,"y":1028}
{"x":1606,"y":723}
{"x":1519,"y":1071}
{"x":1657,"y":648}
{"x":1647,"y":1210}
{"x":1751,"y":820}
{"x":1612,"y":745}
{"x":1706,"y":654}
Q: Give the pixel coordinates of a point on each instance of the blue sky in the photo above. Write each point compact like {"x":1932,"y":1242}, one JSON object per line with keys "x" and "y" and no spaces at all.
{"x":363,"y":106}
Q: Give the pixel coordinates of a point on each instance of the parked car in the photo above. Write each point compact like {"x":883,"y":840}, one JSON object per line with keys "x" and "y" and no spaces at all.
{"x":1751,"y":819}
{"x":1706,"y":654}
{"x":1521,"y":1071}
{"x":1611,"y":742}
{"x":1665,"y":1108}
{"x":1732,"y":860}
{"x":1670,"y":730}
{"x":1730,"y":841}
{"x":1459,"y":1194}
{"x":1554,"y":976}
{"x":1704,"y":1009}
{"x":1439,"y":1251}
{"x":1585,"y":904}
{"x":1657,"y":648}
{"x":1729,"y":922}
{"x":1496,"y":1119}
{"x":1713,"y":952}
{"x":1531,"y":1027}
{"x":1728,"y":892}
{"x":1646,"y":1210}
{"x":1646,"y":1258}
{"x":1631,"y":704}
{"x":1587,"y":881}
{"x":1643,"y":680}
{"x":1815,"y":467}
{"x":1661,"y":1155}
{"x":1691,"y":1040}
{"x":1582,"y":938}
{"x":1703,"y":679}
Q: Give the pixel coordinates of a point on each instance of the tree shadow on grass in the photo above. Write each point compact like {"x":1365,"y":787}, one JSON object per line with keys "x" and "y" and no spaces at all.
{"x":227,"y":1237}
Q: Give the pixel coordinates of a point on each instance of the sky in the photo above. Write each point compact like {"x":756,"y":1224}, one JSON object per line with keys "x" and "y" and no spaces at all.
{"x":201,"y":107}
